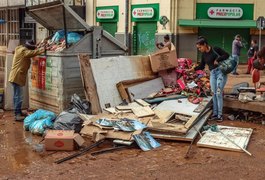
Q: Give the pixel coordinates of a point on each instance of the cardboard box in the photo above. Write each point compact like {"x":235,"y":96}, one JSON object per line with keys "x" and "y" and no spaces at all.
{"x":65,"y":140}
{"x":163,"y":59}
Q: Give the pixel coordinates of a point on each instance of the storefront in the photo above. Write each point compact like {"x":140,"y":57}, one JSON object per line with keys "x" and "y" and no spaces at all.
{"x":145,"y":19}
{"x":219,"y":23}
{"x":108,"y":16}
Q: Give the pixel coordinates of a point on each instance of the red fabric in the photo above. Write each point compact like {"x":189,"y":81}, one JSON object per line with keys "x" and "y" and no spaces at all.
{"x":250,"y":64}
{"x":255,"y":76}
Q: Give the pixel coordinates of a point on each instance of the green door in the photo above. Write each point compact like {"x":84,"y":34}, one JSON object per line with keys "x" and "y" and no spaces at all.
{"x":145,"y":37}
{"x":110,"y":27}
{"x":223,"y":38}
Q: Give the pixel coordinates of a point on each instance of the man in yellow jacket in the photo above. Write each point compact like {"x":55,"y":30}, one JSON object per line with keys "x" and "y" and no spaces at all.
{"x":19,"y":72}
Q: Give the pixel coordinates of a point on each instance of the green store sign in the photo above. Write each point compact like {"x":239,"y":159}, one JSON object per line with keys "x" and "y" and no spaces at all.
{"x":145,"y":12}
{"x":107,"y":14}
{"x":224,"y":11}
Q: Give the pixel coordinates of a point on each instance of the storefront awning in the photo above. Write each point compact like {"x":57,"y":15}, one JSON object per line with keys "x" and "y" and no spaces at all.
{"x":217,"y":23}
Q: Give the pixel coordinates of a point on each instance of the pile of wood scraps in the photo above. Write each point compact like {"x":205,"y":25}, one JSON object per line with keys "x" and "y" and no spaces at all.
{"x":179,"y":119}
{"x":174,"y":119}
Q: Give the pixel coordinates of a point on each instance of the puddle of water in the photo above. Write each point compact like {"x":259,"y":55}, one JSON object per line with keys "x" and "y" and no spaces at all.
{"x":18,"y":147}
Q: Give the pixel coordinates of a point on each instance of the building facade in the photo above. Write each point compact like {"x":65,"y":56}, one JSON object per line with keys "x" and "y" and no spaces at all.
{"x":142,"y":23}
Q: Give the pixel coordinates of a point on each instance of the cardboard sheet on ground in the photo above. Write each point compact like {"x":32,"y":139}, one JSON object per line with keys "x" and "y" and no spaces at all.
{"x":216,"y":140}
{"x":90,"y":129}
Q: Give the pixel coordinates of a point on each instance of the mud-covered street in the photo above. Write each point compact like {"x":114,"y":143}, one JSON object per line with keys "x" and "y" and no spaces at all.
{"x":22,"y":157}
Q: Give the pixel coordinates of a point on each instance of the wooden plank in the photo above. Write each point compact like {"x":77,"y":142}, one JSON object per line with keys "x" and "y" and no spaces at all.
{"x":143,"y":111}
{"x":217,"y":140}
{"x":163,"y":115}
{"x":189,"y":136}
{"x":143,"y":90}
{"x":172,"y":129}
{"x":89,"y":83}
{"x":142,"y":102}
{"x":250,"y":106}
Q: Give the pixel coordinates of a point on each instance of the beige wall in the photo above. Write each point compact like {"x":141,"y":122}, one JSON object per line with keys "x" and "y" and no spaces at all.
{"x":165,"y":10}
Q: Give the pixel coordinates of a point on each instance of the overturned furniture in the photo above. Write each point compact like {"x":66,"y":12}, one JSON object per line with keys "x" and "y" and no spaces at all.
{"x":52,"y":85}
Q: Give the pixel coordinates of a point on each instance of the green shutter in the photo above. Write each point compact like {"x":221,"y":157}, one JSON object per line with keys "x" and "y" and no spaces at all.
{"x":110,"y":27}
{"x":145,"y":37}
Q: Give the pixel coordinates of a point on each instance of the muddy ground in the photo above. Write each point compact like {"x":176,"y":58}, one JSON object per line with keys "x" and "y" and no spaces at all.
{"x":21,"y":157}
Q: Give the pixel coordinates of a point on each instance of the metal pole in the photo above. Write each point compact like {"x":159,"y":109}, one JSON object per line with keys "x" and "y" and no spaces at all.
{"x":260,"y":34}
{"x":65,"y":27}
{"x":127,"y":25}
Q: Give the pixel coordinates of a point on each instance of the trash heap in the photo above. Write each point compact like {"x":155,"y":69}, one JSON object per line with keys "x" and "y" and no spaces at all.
{"x":57,"y":42}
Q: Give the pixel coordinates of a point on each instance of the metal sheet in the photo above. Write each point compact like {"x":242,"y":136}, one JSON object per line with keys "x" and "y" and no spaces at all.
{"x":50,"y":15}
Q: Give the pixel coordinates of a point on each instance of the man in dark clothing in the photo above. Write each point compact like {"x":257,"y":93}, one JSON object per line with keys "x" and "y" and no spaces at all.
{"x":236,"y":48}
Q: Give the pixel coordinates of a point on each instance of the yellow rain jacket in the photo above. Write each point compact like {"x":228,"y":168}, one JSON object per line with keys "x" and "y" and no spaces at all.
{"x":21,"y":64}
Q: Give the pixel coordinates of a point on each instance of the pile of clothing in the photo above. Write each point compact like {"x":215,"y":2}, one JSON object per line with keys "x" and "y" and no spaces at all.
{"x":194,"y":85}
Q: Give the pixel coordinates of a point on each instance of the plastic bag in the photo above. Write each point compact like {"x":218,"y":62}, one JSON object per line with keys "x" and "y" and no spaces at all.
{"x":58,"y":36}
{"x":39,"y":121}
{"x":73,"y":37}
{"x":81,"y":106}
{"x":68,"y":121}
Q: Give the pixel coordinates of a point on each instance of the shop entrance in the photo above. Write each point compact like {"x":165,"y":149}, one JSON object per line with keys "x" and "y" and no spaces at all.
{"x":145,"y":37}
{"x":223,"y":38}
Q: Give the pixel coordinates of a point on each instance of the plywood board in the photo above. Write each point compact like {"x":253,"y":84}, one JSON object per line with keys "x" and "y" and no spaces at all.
{"x":89,"y":83}
{"x":217,"y":140}
{"x":163,"y":115}
{"x":142,"y":102}
{"x":143,"y":111}
{"x":109,"y":71}
{"x":143,"y":90}
{"x":183,"y":106}
{"x":189,"y":136}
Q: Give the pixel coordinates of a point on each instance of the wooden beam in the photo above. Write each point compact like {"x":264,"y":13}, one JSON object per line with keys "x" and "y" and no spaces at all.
{"x":89,"y":83}
{"x":250,"y":106}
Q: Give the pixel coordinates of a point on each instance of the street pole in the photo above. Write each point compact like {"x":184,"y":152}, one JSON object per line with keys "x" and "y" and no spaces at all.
{"x":260,"y":33}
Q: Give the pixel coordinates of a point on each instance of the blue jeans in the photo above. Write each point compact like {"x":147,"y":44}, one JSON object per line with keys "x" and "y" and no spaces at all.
{"x":17,"y":98}
{"x":236,"y":58}
{"x":217,"y":81}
